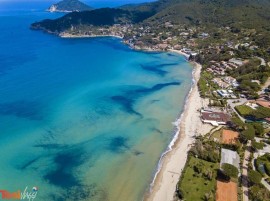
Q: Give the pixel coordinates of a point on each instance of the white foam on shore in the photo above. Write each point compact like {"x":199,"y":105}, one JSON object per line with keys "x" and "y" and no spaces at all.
{"x":177,"y":129}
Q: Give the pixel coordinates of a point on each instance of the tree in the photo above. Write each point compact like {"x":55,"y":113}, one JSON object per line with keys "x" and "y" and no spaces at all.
{"x":208,"y":174}
{"x":229,"y":170}
{"x":267,"y":168}
{"x":198,"y":168}
{"x":208,"y":196}
{"x":259,"y":193}
{"x":254,"y":177}
{"x":254,"y":95}
{"x":261,"y":113}
{"x":248,"y":133}
{"x":259,"y":130}
{"x":257,"y":145}
{"x":180,"y":193}
{"x":236,"y":123}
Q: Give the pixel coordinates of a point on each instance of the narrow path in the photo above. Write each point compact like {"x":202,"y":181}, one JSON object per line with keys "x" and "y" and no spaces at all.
{"x":266,"y":84}
{"x":245,"y":172}
{"x":263,"y":63}
{"x":232,"y":105}
{"x":263,"y":181}
{"x":265,"y":184}
{"x":214,"y":130}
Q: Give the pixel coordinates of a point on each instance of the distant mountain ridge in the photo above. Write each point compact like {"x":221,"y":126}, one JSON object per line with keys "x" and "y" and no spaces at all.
{"x":69,"y":6}
{"x":242,"y":13}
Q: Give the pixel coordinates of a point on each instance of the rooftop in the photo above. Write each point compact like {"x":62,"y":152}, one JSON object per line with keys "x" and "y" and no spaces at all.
{"x":230,"y":157}
{"x":236,"y":61}
{"x":215,"y":116}
{"x":263,"y":103}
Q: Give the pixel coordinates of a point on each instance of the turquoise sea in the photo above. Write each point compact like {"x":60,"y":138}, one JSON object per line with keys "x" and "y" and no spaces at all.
{"x":83,"y":119}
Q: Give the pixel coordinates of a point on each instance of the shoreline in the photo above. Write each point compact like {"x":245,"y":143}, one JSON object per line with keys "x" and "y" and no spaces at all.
{"x":177,"y":121}
{"x":173,"y":160}
{"x":67,"y":35}
{"x":186,"y":56}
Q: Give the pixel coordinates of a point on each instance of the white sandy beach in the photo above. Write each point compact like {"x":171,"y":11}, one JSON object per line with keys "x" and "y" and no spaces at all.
{"x":164,"y":186}
{"x":68,"y":35}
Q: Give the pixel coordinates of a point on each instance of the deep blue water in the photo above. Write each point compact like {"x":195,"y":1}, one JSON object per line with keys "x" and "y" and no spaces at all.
{"x":82,"y":119}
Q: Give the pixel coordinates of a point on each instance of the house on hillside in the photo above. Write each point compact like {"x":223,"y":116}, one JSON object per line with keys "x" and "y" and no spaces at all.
{"x":231,"y":81}
{"x":226,"y":93}
{"x":203,"y":35}
{"x":163,"y":46}
{"x":220,"y":83}
{"x":237,"y":62}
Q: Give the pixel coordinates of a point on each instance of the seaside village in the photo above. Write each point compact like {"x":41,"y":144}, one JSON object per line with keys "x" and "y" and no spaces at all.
{"x":232,"y":161}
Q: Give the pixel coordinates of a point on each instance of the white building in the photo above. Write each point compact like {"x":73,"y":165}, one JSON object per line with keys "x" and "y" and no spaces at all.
{"x":223,"y":93}
{"x":237,"y":62}
{"x":226,"y":93}
{"x":220,"y":83}
{"x":230,"y":157}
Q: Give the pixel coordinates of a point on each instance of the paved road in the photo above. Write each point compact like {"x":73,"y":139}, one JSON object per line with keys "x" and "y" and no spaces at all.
{"x":263,"y":63}
{"x":265,"y":184}
{"x":266,"y":84}
{"x":232,"y":105}
{"x":245,"y":172}
{"x":256,"y":155}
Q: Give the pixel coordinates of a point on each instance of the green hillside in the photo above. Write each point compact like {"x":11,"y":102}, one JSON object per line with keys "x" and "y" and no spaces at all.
{"x":238,"y":14}
{"x":243,"y":13}
{"x":98,"y":17}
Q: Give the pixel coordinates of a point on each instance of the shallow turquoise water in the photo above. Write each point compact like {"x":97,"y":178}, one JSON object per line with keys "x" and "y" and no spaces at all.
{"x":83,"y":119}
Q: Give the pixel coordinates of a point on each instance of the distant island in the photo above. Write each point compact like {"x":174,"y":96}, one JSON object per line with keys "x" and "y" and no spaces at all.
{"x":69,"y":6}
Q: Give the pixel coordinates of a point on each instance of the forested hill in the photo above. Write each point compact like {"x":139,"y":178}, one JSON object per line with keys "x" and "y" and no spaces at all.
{"x":234,"y":13}
{"x":98,"y":17}
{"x":238,"y":13}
